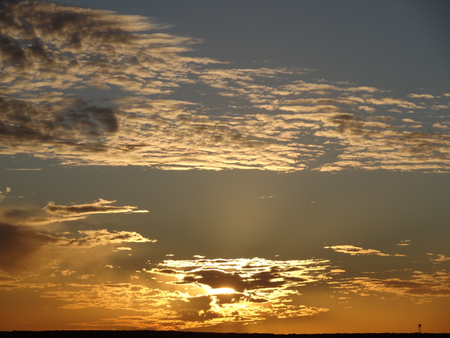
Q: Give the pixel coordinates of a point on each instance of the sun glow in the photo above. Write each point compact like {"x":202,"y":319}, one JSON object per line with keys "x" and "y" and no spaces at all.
{"x":220,"y":291}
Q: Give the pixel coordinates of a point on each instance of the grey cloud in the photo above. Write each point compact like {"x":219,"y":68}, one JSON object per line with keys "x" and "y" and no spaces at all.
{"x":11,"y":52}
{"x":195,"y":309}
{"x":53,"y":126}
{"x":93,"y":120}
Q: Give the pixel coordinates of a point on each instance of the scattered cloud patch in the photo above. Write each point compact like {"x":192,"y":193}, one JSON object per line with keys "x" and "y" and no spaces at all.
{"x":404,"y":242}
{"x":3,"y":193}
{"x":421,"y":96}
{"x":51,"y":60}
{"x":225,"y":285}
{"x":420,"y":286}
{"x":438,"y":257}
{"x":355,"y":250}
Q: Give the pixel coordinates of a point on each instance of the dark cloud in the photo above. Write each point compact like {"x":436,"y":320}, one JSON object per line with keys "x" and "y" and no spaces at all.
{"x":23,"y":247}
{"x":11,"y":52}
{"x":100,"y":207}
{"x":220,"y":279}
{"x":69,"y":125}
{"x":52,"y":213}
{"x":90,"y":120}
{"x":195,"y":309}
{"x":18,"y":245}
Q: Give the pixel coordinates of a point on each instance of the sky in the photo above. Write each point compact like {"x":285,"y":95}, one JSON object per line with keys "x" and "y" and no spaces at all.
{"x":225,"y":166}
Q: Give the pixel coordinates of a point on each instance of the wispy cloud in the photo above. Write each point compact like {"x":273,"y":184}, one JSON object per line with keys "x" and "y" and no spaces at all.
{"x":100,"y":207}
{"x":404,"y":242}
{"x":23,"y":169}
{"x":438,"y":257}
{"x":421,"y":96}
{"x":52,"y":213}
{"x":91,"y":238}
{"x":420,"y":286}
{"x":355,"y":250}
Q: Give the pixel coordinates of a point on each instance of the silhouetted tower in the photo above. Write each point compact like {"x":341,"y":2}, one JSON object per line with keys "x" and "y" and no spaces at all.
{"x":419,"y":328}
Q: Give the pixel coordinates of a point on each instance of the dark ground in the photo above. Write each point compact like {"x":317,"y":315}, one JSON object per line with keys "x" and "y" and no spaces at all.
{"x":169,"y":334}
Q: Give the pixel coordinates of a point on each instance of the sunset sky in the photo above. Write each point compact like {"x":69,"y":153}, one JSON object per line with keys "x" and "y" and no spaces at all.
{"x":225,"y":165}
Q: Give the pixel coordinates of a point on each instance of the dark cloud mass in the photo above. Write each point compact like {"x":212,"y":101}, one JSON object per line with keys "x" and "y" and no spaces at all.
{"x":18,"y":246}
{"x":26,"y":238}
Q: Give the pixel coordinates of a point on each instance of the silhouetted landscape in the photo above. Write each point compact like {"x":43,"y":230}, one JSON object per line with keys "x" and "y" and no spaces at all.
{"x":164,"y":334}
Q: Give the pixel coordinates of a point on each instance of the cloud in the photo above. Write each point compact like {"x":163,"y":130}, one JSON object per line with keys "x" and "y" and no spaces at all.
{"x":92,"y":238}
{"x":404,"y":242}
{"x":19,"y":247}
{"x":440,"y":125}
{"x":393,"y":101}
{"x":439,"y":258}
{"x":185,"y":295}
{"x":100,"y":207}
{"x":26,"y":249}
{"x":4,"y":193}
{"x":27,"y":243}
{"x":355,"y":250}
{"x":422,"y":96}
{"x":53,"y":213}
{"x":23,"y":169}
{"x":226,"y":284}
{"x":421,"y":286}
{"x":92,"y":87}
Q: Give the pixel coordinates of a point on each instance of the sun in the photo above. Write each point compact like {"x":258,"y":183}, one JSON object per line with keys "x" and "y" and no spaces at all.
{"x":220,"y":291}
